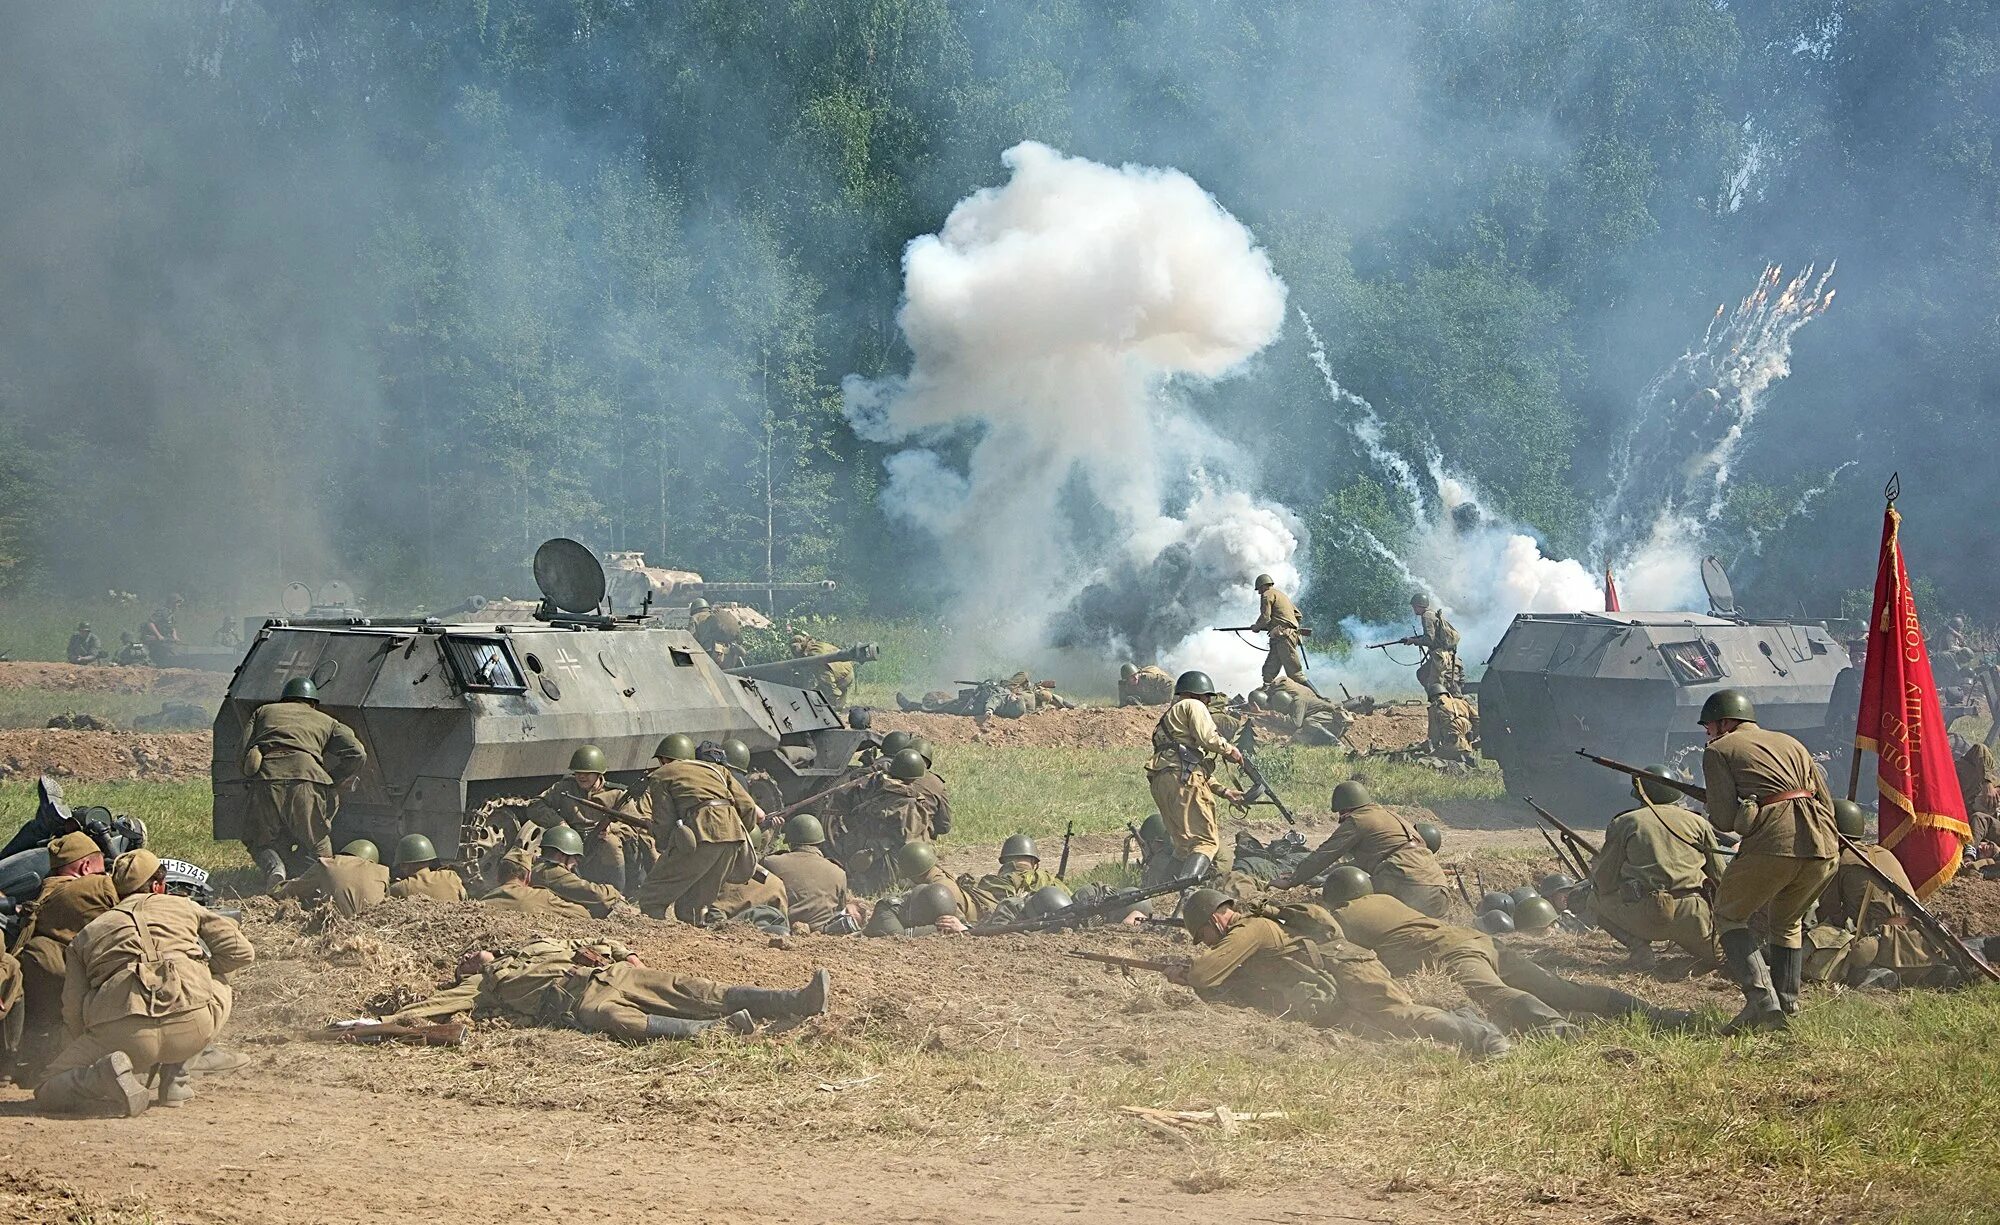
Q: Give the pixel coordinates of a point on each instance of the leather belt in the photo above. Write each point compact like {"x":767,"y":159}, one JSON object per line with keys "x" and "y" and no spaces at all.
{"x":1781,"y":797}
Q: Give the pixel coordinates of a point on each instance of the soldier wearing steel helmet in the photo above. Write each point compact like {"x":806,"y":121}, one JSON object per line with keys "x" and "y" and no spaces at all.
{"x":892,"y":809}
{"x":816,"y":889}
{"x":1860,"y":935}
{"x":762,"y":787}
{"x":1279,"y":618}
{"x":990,"y":897}
{"x":295,"y":760}
{"x":1150,"y":685}
{"x":1187,"y":746}
{"x":1655,"y":875}
{"x":350,"y":882}
{"x":562,"y":853}
{"x":417,"y":873}
{"x":616,"y":831}
{"x":712,"y":818}
{"x":515,"y":894}
{"x":1765,"y":786}
{"x":1390,"y":848}
{"x":1295,"y":961}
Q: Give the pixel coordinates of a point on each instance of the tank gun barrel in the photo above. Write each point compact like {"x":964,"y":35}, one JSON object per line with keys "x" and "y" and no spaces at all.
{"x":707,"y":588}
{"x":779,"y":669}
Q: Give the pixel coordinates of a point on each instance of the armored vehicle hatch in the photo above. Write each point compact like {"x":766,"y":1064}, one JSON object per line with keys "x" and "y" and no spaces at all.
{"x":1629,"y":685}
{"x":456,"y":713}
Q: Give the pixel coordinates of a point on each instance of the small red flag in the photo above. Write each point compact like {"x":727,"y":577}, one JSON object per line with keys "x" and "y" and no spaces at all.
{"x":1922,"y":814}
{"x":1610,"y":591}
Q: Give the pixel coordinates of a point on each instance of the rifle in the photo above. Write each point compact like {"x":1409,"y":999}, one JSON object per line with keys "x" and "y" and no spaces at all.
{"x":1304,"y":631}
{"x":880,"y":767}
{"x":1260,"y":789}
{"x":1457,"y":875}
{"x":1130,"y":963}
{"x":1948,"y":940}
{"x":1555,"y":848}
{"x":1076,"y":914}
{"x":1062,"y":865}
{"x":1576,"y":841}
{"x":449,"y":1033}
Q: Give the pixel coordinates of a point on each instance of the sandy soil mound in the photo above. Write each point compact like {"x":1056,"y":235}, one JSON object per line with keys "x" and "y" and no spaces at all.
{"x":1391,"y":727}
{"x":102,"y":757}
{"x":182,"y":683}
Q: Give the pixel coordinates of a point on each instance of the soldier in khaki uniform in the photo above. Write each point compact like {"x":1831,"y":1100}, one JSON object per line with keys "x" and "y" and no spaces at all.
{"x":295,"y":759}
{"x":1979,"y":784}
{"x":1450,"y":726}
{"x":1862,"y":937}
{"x":816,"y":892}
{"x":619,"y":845}
{"x":762,"y":787}
{"x":888,"y":812}
{"x":1439,"y":639}
{"x":1387,"y":847}
{"x":352,"y":881}
{"x":1765,"y":786}
{"x":1279,"y":618}
{"x":917,"y":867}
{"x":144,"y":990}
{"x":1186,"y":747}
{"x":1020,"y":874}
{"x":562,"y":850}
{"x":1506,"y":985}
{"x":417,"y":873}
{"x":515,"y":894}
{"x":1655,"y":875}
{"x":719,"y":632}
{"x":1294,"y":961}
{"x":76,"y":891}
{"x":602,"y":987}
{"x":833,"y":680}
{"x":1144,"y":686}
{"x":712,"y":817}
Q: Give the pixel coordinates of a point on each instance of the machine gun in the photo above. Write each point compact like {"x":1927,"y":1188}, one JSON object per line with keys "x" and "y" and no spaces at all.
{"x":1260,"y":788}
{"x":1131,"y":963}
{"x":1947,"y":939}
{"x":1077,"y":913}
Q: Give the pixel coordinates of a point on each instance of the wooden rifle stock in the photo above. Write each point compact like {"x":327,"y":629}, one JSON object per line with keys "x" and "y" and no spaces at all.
{"x":1129,"y":963}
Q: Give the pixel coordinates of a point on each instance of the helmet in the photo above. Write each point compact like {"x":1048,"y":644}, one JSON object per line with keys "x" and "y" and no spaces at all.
{"x":1658,"y":793}
{"x":1048,"y":900}
{"x":83,"y":625}
{"x":1727,"y":704}
{"x":1284,"y":703}
{"x":1851,"y":817}
{"x":1496,"y":900}
{"x":1534,"y":914}
{"x":1125,"y":671}
{"x":415,"y":848}
{"x":895,"y":742}
{"x":299,"y":689}
{"x":1493,"y":922}
{"x":804,"y":830}
{"x":928,"y":905}
{"x":588,"y":760}
{"x":697,"y":604}
{"x":1019,"y":846}
{"x":1263,"y":581}
{"x":562,"y":839}
{"x":736,"y":753}
{"x":677,"y":747}
{"x":859,"y":717}
{"x":361,"y":848}
{"x":1153,"y":829}
{"x":1554,"y":883}
{"x":1419,"y":600}
{"x":1433,"y":836}
{"x":1349,"y":796}
{"x":1201,"y":906}
{"x":1523,"y":895}
{"x":1344,"y":884}
{"x":907,"y":764}
{"x":915,"y":859}
{"x":1193,"y":685}
{"x":924,"y":749}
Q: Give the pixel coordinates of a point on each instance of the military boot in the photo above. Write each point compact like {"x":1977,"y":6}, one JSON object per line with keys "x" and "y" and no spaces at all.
{"x":214,"y":1058}
{"x":680,"y":1027}
{"x":1668,"y":1020}
{"x":1469,"y":1034}
{"x":1529,"y":1015}
{"x":768,"y":1005}
{"x":170,"y":1081}
{"x":1194,"y":867}
{"x":108,"y":1082}
{"x":1761,"y":1009}
{"x":1787,"y":971}
{"x":272,"y":865}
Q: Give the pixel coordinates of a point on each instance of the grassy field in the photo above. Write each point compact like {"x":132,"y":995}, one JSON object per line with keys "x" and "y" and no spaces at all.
{"x":34,"y":707}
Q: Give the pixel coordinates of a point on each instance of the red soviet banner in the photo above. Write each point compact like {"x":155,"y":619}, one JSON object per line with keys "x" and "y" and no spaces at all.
{"x":1922,"y":815}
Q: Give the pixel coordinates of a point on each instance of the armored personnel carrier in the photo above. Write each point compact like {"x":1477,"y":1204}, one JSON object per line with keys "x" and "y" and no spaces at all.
{"x":1629,"y":685}
{"x":459,"y":713}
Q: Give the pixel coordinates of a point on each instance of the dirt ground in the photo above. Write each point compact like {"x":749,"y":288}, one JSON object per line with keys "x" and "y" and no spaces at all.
{"x":1390,"y":727}
{"x":101,"y":757}
{"x":183,"y":684}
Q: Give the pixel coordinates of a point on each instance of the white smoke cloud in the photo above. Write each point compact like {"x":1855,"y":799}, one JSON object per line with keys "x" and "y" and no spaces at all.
{"x":1050,"y":321}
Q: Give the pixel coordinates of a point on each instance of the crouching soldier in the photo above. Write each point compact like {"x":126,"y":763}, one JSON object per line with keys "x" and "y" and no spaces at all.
{"x":145,"y":990}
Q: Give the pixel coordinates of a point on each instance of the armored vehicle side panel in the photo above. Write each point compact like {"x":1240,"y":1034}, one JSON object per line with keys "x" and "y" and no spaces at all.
{"x":1629,"y":685}
{"x":453,"y":715}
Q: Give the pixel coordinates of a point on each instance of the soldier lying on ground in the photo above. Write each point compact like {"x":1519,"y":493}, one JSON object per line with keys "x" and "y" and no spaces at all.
{"x":1504,"y":983}
{"x":600,"y":986}
{"x":1151,"y":685}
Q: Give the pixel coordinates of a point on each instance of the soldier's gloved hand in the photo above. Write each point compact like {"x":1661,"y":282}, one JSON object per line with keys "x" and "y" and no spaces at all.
{"x":951,"y":923}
